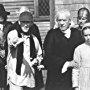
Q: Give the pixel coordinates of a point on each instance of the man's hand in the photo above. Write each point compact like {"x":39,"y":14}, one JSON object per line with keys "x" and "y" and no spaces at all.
{"x":17,"y":41}
{"x":65,"y":66}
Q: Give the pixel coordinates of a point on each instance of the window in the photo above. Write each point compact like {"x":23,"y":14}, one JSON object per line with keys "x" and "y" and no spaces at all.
{"x":42,"y":9}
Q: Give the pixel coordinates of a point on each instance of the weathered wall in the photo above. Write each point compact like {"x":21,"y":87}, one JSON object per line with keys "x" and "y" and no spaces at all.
{"x":43,"y":27}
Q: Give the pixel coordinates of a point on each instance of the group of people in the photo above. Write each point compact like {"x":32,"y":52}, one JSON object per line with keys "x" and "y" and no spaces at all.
{"x":64,"y":53}
{"x":20,"y":52}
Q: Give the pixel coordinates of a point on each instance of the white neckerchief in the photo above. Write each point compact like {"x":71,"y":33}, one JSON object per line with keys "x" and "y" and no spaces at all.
{"x":1,"y":27}
{"x":67,"y":33}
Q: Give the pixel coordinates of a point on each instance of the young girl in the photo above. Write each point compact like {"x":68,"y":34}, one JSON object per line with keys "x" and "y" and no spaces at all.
{"x":81,"y":74}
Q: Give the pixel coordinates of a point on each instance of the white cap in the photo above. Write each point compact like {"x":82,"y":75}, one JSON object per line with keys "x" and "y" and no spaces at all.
{"x":86,"y":25}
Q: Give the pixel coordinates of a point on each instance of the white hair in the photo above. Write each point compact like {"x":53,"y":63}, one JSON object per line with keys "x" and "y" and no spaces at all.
{"x":62,"y":12}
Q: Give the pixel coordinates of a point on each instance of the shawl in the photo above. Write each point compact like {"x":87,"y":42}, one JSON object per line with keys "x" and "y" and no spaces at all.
{"x":19,"y":48}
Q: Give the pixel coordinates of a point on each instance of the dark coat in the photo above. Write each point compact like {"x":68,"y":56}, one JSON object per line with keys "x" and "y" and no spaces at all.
{"x":59,"y":49}
{"x":3,"y":73}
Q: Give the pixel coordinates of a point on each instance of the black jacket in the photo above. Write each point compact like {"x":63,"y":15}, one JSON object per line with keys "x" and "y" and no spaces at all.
{"x":59,"y":49}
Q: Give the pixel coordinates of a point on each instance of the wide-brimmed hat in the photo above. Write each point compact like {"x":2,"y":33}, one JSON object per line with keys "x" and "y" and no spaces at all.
{"x":26,"y":16}
{"x":2,"y":11}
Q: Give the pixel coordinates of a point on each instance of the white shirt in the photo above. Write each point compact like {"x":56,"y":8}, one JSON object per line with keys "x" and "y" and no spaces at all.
{"x":67,"y":33}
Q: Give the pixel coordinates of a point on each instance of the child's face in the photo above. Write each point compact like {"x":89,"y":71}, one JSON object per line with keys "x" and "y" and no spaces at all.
{"x":86,"y":33}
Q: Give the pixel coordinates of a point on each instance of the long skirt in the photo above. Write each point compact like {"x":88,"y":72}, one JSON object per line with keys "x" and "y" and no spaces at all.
{"x":84,"y":78}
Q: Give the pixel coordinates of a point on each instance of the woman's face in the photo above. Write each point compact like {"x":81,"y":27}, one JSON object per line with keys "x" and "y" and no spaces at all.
{"x":86,"y":34}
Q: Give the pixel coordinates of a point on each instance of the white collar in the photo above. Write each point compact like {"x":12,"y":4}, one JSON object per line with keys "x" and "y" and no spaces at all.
{"x":67,"y":33}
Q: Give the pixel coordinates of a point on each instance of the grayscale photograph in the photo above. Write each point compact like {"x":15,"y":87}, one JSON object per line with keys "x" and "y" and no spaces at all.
{"x":44,"y":44}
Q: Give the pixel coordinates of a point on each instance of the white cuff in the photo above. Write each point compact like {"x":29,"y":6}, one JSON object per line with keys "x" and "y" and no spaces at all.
{"x":65,"y":66}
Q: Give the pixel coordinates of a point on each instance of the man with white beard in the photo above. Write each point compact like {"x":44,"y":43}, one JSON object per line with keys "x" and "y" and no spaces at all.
{"x":24,"y":56}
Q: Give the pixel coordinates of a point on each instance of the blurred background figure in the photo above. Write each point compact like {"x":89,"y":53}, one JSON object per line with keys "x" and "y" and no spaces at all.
{"x":4,"y":27}
{"x":83,"y":16}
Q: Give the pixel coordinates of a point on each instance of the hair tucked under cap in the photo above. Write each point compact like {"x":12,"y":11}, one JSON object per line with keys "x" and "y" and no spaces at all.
{"x":26,"y":16}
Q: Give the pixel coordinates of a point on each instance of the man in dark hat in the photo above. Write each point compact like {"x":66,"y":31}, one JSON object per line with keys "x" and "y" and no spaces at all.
{"x":3,"y":12}
{"x":24,"y":56}
{"x":34,"y":28}
{"x":4,"y":27}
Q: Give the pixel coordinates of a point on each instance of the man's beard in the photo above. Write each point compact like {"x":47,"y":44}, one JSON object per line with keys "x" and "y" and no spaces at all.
{"x":25,"y":31}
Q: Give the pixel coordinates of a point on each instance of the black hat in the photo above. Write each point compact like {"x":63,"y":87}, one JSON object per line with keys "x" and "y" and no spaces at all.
{"x":25,"y":16}
{"x":2,"y":11}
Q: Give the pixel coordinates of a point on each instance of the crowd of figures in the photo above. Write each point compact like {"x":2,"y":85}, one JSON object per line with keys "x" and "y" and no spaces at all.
{"x":64,"y":53}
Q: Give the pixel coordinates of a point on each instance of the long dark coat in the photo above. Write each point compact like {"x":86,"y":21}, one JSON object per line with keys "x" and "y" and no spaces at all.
{"x":59,"y":49}
{"x":3,"y":73}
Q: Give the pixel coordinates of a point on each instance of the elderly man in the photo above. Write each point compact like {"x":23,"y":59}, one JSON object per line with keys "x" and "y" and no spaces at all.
{"x":34,"y":28}
{"x":24,"y":56}
{"x":59,"y":47}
